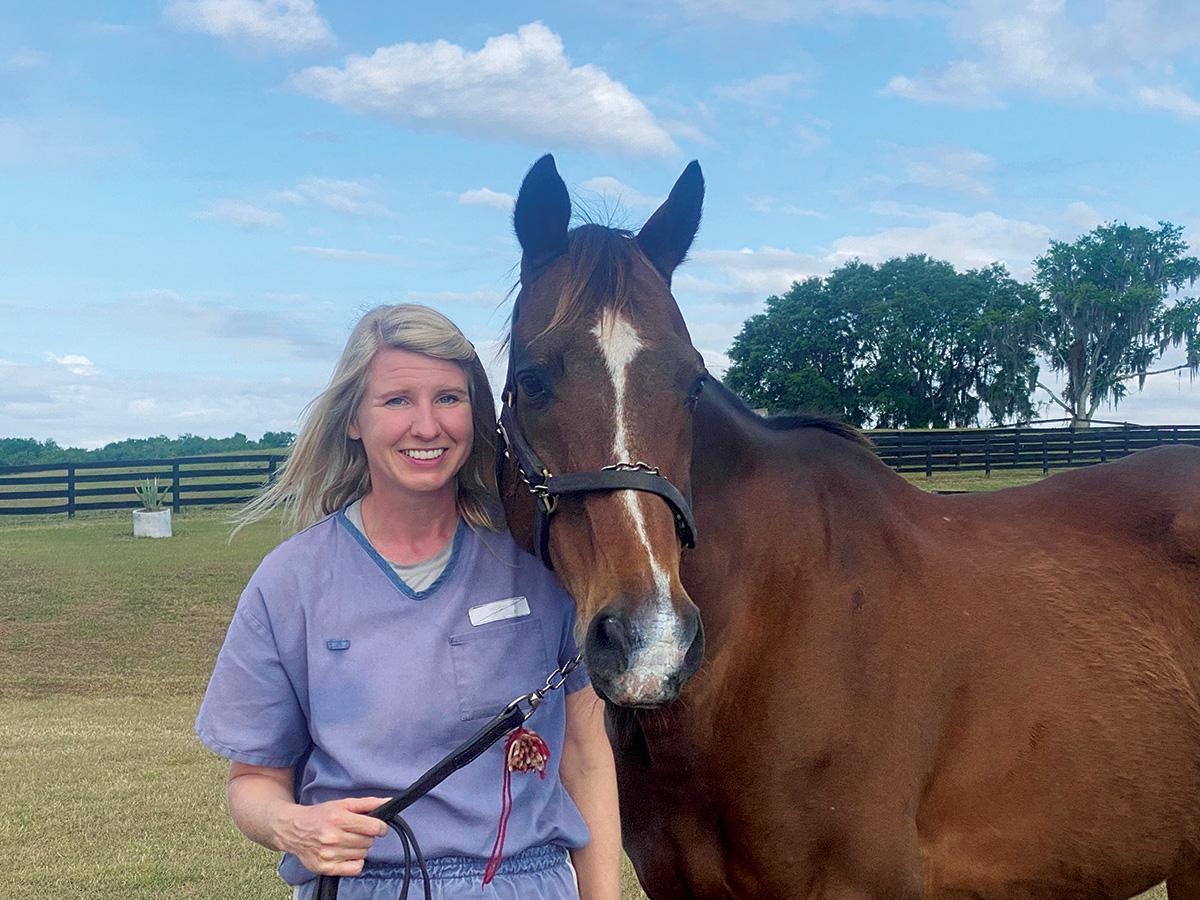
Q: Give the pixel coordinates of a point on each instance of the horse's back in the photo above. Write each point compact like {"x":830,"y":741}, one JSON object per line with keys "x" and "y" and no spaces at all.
{"x":1077,"y":723}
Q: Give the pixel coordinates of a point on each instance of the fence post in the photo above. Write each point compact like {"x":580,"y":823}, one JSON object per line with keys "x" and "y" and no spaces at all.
{"x":70,"y":492}
{"x":174,"y":487}
{"x":987,"y":454}
{"x":1045,"y":461}
{"x":929,"y":459}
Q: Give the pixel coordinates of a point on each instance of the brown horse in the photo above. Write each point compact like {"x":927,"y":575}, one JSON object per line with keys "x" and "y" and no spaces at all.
{"x":902,"y":695}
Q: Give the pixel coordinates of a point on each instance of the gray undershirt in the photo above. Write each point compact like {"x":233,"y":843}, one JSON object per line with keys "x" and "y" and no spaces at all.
{"x":419,"y":575}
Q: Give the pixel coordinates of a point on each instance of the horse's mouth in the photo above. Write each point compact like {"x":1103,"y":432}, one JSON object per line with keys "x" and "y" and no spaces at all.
{"x":645,"y":677}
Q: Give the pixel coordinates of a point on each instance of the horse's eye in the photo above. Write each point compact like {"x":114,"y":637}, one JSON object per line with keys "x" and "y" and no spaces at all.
{"x":533,"y":388}
{"x":693,"y":398}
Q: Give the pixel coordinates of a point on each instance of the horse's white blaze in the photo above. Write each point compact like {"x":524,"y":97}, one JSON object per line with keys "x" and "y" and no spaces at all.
{"x":662,"y":652}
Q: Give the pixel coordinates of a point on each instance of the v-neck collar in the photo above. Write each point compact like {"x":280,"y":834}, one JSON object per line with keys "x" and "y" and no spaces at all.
{"x":386,"y":567}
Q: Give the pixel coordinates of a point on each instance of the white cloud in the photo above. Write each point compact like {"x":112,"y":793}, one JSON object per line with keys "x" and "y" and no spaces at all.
{"x":968,"y":242}
{"x":243,"y":215}
{"x":735,"y":277}
{"x":75,"y":364}
{"x":949,"y":168}
{"x":809,"y":138}
{"x":355,"y":256}
{"x":1082,"y":217}
{"x":277,"y":327}
{"x":746,"y":277}
{"x":27,"y":58}
{"x":487,"y":197}
{"x":51,"y":402}
{"x":348,"y":197}
{"x":965,"y":84}
{"x":764,"y":203}
{"x":281,"y":24}
{"x":610,"y":192}
{"x":1088,"y":48}
{"x":1169,"y":98}
{"x":519,"y":87}
{"x":762,"y":91}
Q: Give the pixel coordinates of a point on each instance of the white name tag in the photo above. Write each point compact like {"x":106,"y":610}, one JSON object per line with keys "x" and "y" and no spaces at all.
{"x":512,"y":608}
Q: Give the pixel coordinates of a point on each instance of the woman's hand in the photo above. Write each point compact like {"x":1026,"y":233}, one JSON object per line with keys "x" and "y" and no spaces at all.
{"x":331,"y":838}
{"x":328,"y":838}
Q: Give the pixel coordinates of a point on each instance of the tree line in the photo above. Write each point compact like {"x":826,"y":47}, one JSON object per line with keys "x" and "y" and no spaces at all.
{"x":914,"y":343}
{"x":30,"y":452}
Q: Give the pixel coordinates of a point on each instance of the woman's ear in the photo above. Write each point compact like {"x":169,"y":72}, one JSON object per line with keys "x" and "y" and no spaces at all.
{"x":352,"y":430}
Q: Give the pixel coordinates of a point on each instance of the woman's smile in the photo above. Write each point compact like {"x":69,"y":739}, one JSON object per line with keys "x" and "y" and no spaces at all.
{"x":415,"y":424}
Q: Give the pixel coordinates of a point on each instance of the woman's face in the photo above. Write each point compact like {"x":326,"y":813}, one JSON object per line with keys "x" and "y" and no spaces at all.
{"x":415,"y":424}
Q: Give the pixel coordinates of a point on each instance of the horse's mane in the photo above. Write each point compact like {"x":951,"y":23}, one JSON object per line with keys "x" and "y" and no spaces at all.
{"x":795,"y":421}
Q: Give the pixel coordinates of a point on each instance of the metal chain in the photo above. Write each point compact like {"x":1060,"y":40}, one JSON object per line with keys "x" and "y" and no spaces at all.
{"x":554,"y":681}
{"x":638,"y":466}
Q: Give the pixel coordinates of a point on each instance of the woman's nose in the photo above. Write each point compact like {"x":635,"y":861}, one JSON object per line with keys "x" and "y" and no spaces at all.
{"x":425,"y":423}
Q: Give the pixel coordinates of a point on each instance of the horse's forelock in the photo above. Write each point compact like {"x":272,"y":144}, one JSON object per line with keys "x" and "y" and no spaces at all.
{"x":601,"y":261}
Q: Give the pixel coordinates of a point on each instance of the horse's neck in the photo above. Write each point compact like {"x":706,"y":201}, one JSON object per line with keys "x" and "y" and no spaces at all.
{"x":728,"y":447}
{"x":759,"y":493}
{"x":732,"y":449}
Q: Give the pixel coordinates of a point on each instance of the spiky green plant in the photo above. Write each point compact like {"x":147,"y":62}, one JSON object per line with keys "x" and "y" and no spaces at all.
{"x":153,"y":498}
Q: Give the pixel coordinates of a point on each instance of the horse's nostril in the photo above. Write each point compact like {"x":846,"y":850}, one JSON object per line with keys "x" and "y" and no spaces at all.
{"x":607,"y":646}
{"x":613,"y":632}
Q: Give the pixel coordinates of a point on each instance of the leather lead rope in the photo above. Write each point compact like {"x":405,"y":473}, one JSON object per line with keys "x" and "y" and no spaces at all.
{"x":512,"y":716}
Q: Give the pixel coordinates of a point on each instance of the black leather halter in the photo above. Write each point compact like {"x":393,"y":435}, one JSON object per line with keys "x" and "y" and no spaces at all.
{"x":548,"y":488}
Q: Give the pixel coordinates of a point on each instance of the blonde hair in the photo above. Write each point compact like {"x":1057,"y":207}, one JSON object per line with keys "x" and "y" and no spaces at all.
{"x":327,"y":468}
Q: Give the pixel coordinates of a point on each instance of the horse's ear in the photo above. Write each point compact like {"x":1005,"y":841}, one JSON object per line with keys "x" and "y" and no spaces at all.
{"x":666,"y":237}
{"x":542,"y":212}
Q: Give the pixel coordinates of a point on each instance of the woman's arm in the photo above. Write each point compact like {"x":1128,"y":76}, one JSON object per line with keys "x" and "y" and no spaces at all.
{"x":328,"y":838}
{"x":588,"y":774}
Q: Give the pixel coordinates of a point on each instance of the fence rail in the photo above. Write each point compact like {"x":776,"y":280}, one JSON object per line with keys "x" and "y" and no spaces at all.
{"x":235,"y":478}
{"x":79,"y":486}
{"x":989,"y":449}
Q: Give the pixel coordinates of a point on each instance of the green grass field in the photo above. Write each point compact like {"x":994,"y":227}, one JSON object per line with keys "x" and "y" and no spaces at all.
{"x":106,"y":644}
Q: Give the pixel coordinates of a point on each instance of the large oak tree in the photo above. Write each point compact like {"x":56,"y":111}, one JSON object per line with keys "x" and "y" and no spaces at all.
{"x":907,"y":343}
{"x":1111,"y":307}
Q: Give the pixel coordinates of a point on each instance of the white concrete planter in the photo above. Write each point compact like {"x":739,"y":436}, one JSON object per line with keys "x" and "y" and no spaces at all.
{"x":147,"y":523}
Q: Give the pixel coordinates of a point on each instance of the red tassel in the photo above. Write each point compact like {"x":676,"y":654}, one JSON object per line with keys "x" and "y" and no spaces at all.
{"x":524,"y":752}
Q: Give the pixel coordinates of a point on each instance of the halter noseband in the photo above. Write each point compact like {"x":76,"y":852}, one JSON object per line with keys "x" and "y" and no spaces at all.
{"x":548,"y":488}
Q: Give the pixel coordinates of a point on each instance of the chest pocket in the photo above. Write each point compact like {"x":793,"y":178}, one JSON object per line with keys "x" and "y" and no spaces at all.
{"x":495,"y":664}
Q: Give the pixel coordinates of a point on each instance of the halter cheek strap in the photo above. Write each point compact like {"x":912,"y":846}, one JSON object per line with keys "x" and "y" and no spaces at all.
{"x":548,"y":488}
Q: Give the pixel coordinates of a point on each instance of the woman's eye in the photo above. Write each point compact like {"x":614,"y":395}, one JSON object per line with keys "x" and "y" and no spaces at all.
{"x":451,"y":399}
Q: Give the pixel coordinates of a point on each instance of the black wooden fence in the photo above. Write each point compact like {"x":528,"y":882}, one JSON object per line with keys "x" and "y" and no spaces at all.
{"x":190,"y":481}
{"x":211,"y":480}
{"x":989,"y":449}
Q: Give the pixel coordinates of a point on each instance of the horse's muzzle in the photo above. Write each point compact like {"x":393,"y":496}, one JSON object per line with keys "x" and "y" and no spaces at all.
{"x":643,"y":660}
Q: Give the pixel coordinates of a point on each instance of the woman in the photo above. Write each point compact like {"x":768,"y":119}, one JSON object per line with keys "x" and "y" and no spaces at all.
{"x":377,"y":639}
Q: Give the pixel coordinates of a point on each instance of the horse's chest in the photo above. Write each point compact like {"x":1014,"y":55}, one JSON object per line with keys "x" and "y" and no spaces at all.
{"x":670,"y":827}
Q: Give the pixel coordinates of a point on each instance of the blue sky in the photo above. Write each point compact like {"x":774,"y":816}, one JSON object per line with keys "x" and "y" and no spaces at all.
{"x":200,"y":197}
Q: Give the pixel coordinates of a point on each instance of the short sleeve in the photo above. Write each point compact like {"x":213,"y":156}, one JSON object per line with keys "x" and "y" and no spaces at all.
{"x":251,"y":712}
